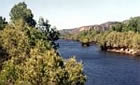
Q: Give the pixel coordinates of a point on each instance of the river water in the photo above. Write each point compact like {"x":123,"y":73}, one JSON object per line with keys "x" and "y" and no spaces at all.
{"x":103,"y":68}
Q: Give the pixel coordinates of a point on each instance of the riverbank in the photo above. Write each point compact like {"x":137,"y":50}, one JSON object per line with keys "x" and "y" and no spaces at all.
{"x":125,"y":51}
{"x":128,"y":51}
{"x":85,"y":44}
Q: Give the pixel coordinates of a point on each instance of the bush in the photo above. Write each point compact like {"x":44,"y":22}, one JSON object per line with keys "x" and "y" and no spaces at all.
{"x":33,"y":60}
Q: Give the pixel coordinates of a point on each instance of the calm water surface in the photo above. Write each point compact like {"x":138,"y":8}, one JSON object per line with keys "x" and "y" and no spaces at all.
{"x":103,"y":68}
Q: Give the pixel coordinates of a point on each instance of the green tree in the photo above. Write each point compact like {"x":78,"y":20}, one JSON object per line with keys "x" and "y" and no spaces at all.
{"x":51,"y":33}
{"x":33,"y":60}
{"x":19,"y":11}
{"x":3,"y":23}
{"x":118,"y":27}
{"x":14,"y":40}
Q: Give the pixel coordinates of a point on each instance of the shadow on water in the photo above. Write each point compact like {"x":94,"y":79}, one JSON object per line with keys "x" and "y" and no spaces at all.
{"x":103,"y":68}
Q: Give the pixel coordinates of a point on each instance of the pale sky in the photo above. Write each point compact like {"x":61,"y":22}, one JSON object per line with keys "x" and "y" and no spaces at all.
{"x":75,"y":13}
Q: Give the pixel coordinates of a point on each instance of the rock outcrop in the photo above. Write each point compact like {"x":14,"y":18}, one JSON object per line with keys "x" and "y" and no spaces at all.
{"x":124,"y":51}
{"x":101,"y":27}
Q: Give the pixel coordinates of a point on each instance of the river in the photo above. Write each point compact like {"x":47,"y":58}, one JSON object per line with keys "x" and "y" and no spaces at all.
{"x":103,"y":68}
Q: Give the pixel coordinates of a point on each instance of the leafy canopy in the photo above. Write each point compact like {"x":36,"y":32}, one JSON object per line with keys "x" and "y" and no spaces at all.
{"x":32,"y":59}
{"x":19,"y":11}
{"x":3,"y":23}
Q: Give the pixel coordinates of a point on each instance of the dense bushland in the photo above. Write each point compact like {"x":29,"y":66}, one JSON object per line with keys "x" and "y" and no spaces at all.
{"x":121,"y":35}
{"x":31,"y":57}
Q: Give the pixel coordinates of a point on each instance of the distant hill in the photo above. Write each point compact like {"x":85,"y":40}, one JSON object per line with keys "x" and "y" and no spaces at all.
{"x":101,"y":27}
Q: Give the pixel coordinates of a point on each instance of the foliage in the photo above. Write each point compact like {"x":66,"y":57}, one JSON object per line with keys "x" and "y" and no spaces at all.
{"x":51,"y":33}
{"x":75,"y":72}
{"x":83,"y":36}
{"x":20,"y":11}
{"x":119,"y":40}
{"x":110,"y":39}
{"x":122,"y":35}
{"x":9,"y":73}
{"x":14,"y":40}
{"x":3,"y":23}
{"x":118,"y":27}
{"x":32,"y":59}
{"x":133,"y":24}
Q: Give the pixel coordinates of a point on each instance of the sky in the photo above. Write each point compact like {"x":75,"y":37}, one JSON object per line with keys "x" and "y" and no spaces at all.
{"x":66,"y":14}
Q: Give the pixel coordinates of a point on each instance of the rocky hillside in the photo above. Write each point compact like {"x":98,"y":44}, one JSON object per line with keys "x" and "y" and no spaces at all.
{"x":101,"y":27}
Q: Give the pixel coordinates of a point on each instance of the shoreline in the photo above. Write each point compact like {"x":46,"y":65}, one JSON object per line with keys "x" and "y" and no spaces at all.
{"x":125,"y":51}
{"x":121,"y":50}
